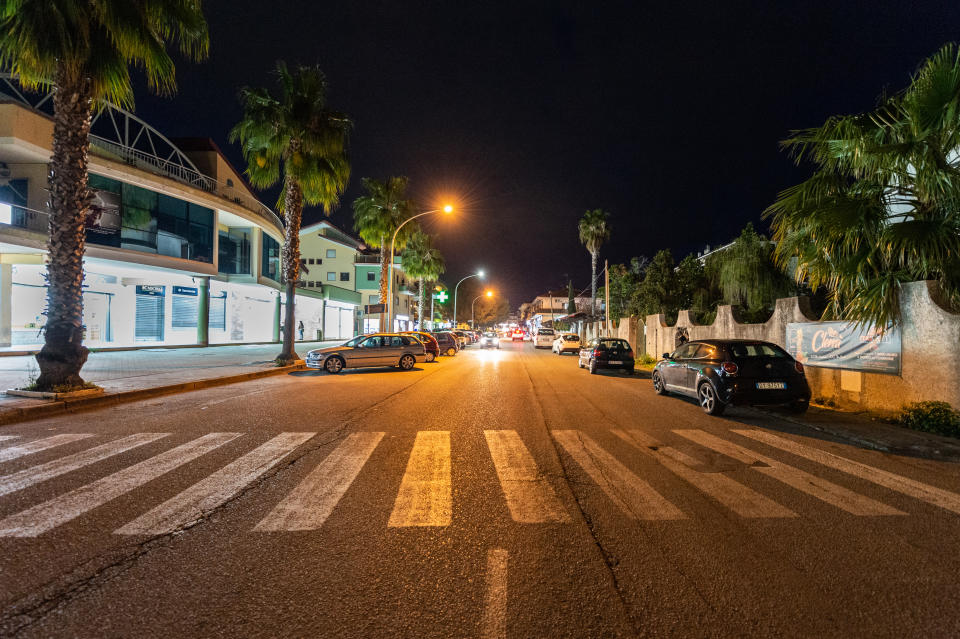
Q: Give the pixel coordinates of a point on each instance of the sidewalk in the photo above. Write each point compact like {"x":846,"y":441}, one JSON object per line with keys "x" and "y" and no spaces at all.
{"x":128,"y":372}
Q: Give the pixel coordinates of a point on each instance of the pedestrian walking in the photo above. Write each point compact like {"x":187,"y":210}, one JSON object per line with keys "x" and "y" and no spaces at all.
{"x":300,"y":330}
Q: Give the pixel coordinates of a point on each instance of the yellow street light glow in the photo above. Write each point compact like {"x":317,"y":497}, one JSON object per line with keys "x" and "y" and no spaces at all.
{"x":489,"y":293}
{"x":448,"y":208}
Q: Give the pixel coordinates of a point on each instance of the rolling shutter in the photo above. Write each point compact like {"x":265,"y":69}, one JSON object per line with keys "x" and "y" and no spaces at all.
{"x":149,"y":317}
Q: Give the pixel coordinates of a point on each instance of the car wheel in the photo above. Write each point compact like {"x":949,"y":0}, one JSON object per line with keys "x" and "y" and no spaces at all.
{"x":333,"y":365}
{"x":431,"y":357}
{"x":407,"y":362}
{"x":593,"y":367}
{"x":451,"y":351}
{"x":709,"y":402}
{"x":658,"y":386}
{"x":799,"y":407}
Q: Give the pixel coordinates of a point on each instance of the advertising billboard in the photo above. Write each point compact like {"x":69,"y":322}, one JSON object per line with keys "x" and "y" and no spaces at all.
{"x":845,"y":345}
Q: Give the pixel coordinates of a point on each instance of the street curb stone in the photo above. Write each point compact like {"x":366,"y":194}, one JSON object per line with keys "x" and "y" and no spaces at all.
{"x":17,"y":415}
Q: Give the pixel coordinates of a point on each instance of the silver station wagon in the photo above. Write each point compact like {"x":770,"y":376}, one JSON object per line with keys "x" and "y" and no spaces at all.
{"x":364,"y":351}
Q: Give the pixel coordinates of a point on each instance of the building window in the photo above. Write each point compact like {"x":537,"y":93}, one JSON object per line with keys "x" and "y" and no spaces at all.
{"x":345,"y":277}
{"x":310,"y":261}
{"x":331,"y":252}
{"x":373,"y":299}
{"x":234,"y":251}
{"x":331,"y":276}
{"x":371,"y":276}
{"x":270,"y":264}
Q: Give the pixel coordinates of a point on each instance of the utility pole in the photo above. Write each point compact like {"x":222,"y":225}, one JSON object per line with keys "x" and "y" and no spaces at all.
{"x":606,"y":290}
{"x":433,"y":296}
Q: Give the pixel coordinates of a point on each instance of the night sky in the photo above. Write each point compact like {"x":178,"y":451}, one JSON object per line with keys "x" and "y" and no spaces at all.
{"x":666,"y":115}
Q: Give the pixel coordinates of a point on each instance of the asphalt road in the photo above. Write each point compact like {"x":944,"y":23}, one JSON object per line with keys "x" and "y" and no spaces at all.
{"x":494,"y":494}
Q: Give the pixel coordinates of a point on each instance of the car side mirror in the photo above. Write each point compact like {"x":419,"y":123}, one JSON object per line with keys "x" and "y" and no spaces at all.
{"x":666,"y":356}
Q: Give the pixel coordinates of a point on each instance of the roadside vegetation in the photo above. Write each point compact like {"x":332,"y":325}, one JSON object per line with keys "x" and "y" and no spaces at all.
{"x":931,"y":417}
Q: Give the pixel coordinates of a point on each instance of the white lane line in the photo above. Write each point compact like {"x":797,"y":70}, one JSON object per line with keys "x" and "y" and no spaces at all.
{"x":425,"y":497}
{"x":36,"y":474}
{"x":635,"y":497}
{"x":37,"y":445}
{"x":495,"y":603}
{"x":58,"y":511}
{"x":732,"y":494}
{"x":812,"y":485}
{"x":530,"y":497}
{"x":312,"y":501}
{"x":4,"y":438}
{"x":190,"y":505}
{"x":912,"y":488}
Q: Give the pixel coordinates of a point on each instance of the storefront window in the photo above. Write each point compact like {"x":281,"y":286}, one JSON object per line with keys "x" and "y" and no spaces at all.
{"x":13,"y":197}
{"x":270,"y":262}
{"x":234,"y":251}
{"x":136,"y":218}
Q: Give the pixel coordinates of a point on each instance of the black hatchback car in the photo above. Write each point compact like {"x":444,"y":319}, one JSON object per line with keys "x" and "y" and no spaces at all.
{"x":723,"y":372}
{"x":606,"y":352}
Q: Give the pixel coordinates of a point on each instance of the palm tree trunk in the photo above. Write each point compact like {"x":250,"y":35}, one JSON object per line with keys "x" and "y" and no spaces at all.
{"x":383,"y":271}
{"x":63,"y":353}
{"x":421,"y":302}
{"x":293,"y":210}
{"x":593,"y":282}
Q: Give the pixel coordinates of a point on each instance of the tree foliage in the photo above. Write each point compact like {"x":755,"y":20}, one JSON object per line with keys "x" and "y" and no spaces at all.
{"x":883,"y":205}
{"x":594,"y":231}
{"x":423,"y":263}
{"x":378,"y":214}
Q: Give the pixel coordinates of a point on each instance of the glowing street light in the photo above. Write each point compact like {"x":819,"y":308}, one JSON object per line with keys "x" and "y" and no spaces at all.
{"x":487,"y":294}
{"x":447,"y":209}
{"x":477,"y":274}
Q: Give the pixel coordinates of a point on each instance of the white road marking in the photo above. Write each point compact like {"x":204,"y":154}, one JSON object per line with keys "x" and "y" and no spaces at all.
{"x":425,"y":497}
{"x":732,"y":494}
{"x":36,"y":474}
{"x":190,"y":505}
{"x":530,"y":497}
{"x":812,"y":485}
{"x":58,"y":511}
{"x":912,"y":488}
{"x":4,"y":438}
{"x":635,"y":497}
{"x":495,"y":604}
{"x":37,"y":445}
{"x":312,"y":501}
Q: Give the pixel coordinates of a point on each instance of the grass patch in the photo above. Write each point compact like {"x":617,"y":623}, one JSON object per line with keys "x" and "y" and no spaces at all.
{"x":931,"y":417}
{"x":63,"y":388}
{"x":645,"y":361}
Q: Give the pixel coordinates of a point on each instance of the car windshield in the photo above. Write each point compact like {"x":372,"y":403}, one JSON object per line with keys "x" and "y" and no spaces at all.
{"x":489,"y":334}
{"x":356,"y":340}
{"x":546,"y":331}
{"x":613,"y":344}
{"x":572,"y":338}
{"x":758,"y":349}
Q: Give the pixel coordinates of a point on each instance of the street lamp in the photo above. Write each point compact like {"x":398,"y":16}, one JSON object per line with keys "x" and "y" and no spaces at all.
{"x":487,"y":294}
{"x":477,"y":274}
{"x":448,"y":208}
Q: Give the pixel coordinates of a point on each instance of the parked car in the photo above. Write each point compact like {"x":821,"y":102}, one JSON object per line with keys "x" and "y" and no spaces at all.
{"x":606,"y":352}
{"x":720,"y":373}
{"x":379,"y":349}
{"x":449,"y":344}
{"x":490,"y":339}
{"x":462,"y":337}
{"x":544,"y":338}
{"x":566,"y":343}
{"x":517,"y":335}
{"x":429,"y":343}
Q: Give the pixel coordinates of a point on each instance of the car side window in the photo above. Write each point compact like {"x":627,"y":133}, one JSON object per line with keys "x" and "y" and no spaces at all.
{"x":373,"y":342}
{"x":706,"y":351}
{"x":685,"y":351}
{"x":406,"y":341}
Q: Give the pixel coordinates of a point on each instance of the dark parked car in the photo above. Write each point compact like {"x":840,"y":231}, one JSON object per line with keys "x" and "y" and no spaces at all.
{"x":429,"y":343}
{"x":606,"y":352}
{"x":719,"y":373}
{"x":449,"y":345}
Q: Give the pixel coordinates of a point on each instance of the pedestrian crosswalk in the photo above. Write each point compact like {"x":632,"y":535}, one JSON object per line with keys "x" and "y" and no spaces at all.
{"x":423,"y":496}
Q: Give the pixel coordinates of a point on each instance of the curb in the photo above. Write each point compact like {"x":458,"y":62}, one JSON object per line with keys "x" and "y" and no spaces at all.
{"x":17,"y":415}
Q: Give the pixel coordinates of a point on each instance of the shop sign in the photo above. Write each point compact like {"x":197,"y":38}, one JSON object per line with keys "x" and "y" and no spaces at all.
{"x":103,"y":212}
{"x":184,"y":290}
{"x":373,"y":309}
{"x":150,"y":289}
{"x":845,"y":345}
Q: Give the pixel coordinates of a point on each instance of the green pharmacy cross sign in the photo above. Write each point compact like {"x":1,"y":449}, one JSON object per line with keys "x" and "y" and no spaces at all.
{"x":441,"y":296}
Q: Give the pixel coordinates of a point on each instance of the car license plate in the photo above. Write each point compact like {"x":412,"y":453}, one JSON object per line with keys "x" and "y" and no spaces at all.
{"x":615,"y":361}
{"x":771,"y":385}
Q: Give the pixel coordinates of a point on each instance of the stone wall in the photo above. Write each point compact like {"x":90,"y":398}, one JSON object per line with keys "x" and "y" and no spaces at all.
{"x":930,"y":337}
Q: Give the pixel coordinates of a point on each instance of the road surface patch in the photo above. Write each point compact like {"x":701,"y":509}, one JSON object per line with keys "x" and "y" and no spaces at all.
{"x":732,"y":494}
{"x":193,"y":503}
{"x":36,"y":474}
{"x":425,"y":497}
{"x":529,"y":496}
{"x":55,"y":512}
{"x":495,"y":602}
{"x":37,"y":445}
{"x":312,"y":501}
{"x":812,"y":485}
{"x":635,"y":497}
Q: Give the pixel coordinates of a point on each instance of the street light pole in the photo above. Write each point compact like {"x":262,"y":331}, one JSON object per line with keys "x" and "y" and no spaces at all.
{"x":477,"y":274}
{"x":487,"y":294}
{"x":445,"y":209}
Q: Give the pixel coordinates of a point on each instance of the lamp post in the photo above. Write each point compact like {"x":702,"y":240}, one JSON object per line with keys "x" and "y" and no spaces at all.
{"x":487,"y":294}
{"x":446,"y":209}
{"x":477,"y":274}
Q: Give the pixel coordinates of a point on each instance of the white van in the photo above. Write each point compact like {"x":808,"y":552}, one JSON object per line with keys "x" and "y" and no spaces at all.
{"x":544,"y":338}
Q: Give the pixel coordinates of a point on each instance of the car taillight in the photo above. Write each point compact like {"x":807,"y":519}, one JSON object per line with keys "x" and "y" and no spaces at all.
{"x":596,"y":352}
{"x":730,"y":368}
{"x":630,"y":354}
{"x":799,"y":367}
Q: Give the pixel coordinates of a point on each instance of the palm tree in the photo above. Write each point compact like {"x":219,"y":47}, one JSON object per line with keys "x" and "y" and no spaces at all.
{"x":296,"y":139}
{"x":82,"y":50}
{"x":378,"y":214}
{"x":594,"y":231}
{"x":422,"y":261}
{"x":881,"y":207}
